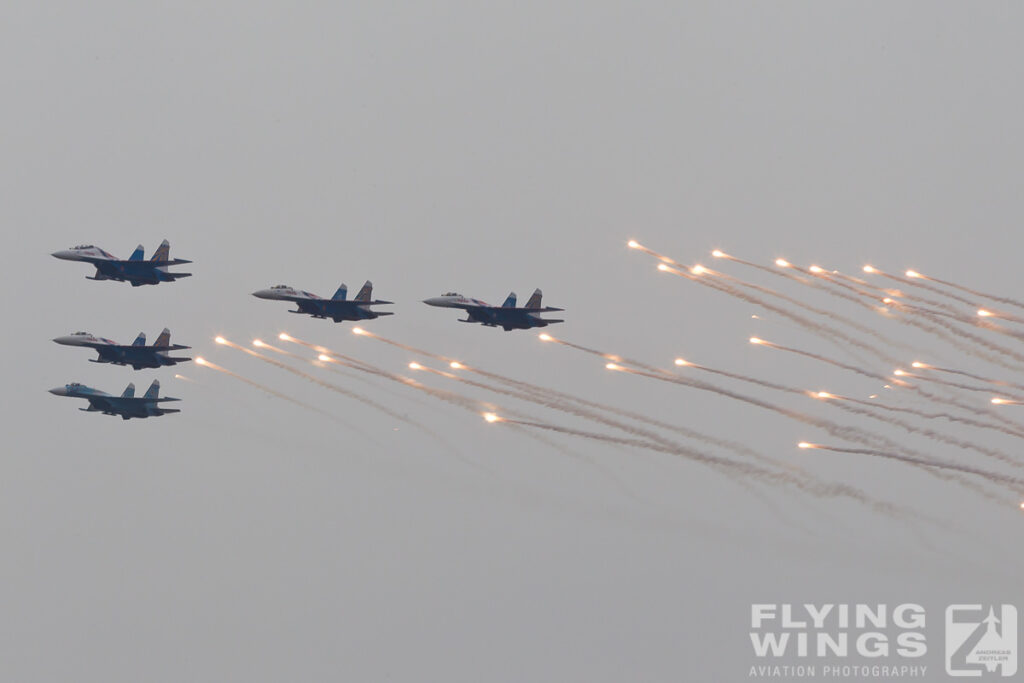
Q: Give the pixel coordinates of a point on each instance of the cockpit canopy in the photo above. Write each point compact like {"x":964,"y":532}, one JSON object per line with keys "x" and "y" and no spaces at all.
{"x":84,"y":246}
{"x":280,"y":287}
{"x":81,"y":334}
{"x":451,"y":294}
{"x":75,"y":384}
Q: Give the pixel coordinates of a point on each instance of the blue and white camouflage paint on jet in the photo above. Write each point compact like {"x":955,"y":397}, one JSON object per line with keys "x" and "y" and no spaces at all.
{"x":506,"y":316}
{"x":126,"y":406}
{"x":137,"y":355}
{"x":135,"y":269}
{"x":337,"y":308}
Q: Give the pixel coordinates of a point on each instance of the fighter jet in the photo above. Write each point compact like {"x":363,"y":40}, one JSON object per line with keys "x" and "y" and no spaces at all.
{"x":134,"y":270}
{"x":337,"y":308}
{"x":126,"y":405}
{"x":506,"y":316}
{"x":138,"y":355}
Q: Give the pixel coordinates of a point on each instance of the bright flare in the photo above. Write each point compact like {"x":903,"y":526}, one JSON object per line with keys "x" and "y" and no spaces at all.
{"x":456,"y":365}
{"x":698,"y":269}
{"x":491,"y":417}
{"x":869,"y":269}
{"x":663,"y":268}
{"x":913,"y":273}
{"x":983,"y":313}
{"x":544,"y":336}
{"x":782,"y":263}
{"x":613,"y":366}
{"x":258,"y":342}
{"x":816,"y":269}
{"x":718,"y":253}
{"x":200,"y":360}
{"x":999,"y":401}
{"x":804,"y":444}
{"x":284,"y":337}
{"x":756,"y":340}
{"x":681,"y":362}
{"x":358,"y":330}
{"x":220,"y":340}
{"x":919,"y":364}
{"x":325,"y":358}
{"x":633,"y":244}
{"x":824,"y":394}
{"x":415,"y":366}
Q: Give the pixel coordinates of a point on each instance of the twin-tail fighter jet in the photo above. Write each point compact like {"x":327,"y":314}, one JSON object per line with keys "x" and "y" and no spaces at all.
{"x":337,"y":308}
{"x":138,"y":355}
{"x":134,"y":269}
{"x":127,"y":405}
{"x":506,"y":316}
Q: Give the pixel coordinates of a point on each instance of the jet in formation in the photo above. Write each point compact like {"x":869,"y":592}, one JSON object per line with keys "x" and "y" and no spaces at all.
{"x":337,"y":308}
{"x":138,"y":355}
{"x":506,"y":316}
{"x":127,"y":405}
{"x":135,"y":269}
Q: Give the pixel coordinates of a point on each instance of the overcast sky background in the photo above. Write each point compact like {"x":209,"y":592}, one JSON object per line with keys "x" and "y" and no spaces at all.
{"x":484,"y":149}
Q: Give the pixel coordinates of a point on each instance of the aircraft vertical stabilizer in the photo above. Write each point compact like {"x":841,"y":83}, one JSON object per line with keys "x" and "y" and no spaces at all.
{"x":154,"y":390}
{"x":164,"y":339}
{"x":163,"y":252}
{"x":365,"y":292}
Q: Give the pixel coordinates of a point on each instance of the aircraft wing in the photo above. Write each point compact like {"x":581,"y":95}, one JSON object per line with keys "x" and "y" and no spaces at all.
{"x":503,"y":311}
{"x":132,"y":348}
{"x":171,"y":262}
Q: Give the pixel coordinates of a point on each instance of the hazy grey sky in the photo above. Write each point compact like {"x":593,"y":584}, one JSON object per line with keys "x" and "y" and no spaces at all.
{"x":482,"y":148}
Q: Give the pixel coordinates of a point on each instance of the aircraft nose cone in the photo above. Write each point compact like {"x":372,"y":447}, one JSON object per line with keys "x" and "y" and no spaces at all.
{"x":62,"y":254}
{"x":432,"y":301}
{"x":59,"y":391}
{"x":262,"y":294}
{"x":62,"y":340}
